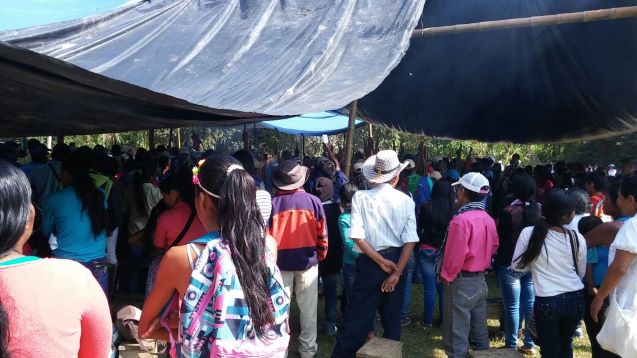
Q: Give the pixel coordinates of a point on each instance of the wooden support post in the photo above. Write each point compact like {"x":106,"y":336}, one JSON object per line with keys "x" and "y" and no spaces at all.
{"x":178,"y":138}
{"x":151,"y":139}
{"x":302,"y":146}
{"x":349,"y":142}
{"x":533,"y":21}
{"x":170,"y":139}
{"x":60,"y":139}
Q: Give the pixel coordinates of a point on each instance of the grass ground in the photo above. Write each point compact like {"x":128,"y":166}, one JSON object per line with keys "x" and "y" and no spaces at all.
{"x":417,"y":342}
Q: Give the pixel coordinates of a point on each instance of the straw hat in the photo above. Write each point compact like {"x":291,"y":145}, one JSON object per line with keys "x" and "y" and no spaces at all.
{"x":382,"y":167}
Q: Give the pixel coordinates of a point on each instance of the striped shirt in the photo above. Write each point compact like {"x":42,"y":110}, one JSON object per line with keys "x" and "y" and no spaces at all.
{"x":299,"y":227}
{"x":384,"y":217}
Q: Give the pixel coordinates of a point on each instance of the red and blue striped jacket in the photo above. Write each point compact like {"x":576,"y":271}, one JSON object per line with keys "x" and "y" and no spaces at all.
{"x":299,"y":227}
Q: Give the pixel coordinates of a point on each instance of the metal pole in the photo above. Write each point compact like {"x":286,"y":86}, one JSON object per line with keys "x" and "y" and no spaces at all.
{"x":170,"y":139}
{"x":557,"y":19}
{"x":349,"y":143}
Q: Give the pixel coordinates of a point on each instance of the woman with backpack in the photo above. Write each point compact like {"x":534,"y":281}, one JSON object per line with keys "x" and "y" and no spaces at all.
{"x":228,"y":274}
{"x":517,"y":288}
{"x":556,"y":258}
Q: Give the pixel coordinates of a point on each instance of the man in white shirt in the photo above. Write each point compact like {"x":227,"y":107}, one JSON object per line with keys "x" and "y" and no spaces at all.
{"x":383,"y":225}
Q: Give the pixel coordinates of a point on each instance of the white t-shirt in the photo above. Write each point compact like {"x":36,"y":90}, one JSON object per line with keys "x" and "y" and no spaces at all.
{"x":626,"y":240}
{"x":553,"y":274}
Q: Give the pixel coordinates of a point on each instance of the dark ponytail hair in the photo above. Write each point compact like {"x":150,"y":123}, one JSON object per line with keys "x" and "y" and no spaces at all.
{"x":4,"y":332}
{"x":557,"y":204}
{"x":524,"y":189}
{"x":147,"y":168}
{"x":241,"y":224}
{"x":78,"y":166}
{"x":15,"y":208}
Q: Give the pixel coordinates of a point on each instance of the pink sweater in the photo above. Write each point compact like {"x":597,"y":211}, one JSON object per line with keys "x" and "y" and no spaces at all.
{"x":56,"y":309}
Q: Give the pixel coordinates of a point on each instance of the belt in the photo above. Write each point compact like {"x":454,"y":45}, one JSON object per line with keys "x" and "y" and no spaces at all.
{"x":389,"y":250}
{"x":470,"y":274}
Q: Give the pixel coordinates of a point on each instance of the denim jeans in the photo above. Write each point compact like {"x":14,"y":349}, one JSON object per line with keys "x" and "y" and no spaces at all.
{"x":365,"y":301}
{"x":427,"y":259}
{"x":349,"y":272}
{"x":331,"y":298}
{"x":556,"y":318}
{"x":409,"y":272}
{"x":518,"y":297}
{"x":99,"y":269}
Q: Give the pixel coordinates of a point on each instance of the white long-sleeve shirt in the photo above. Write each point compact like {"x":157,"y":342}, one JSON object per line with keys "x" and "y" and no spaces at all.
{"x":553,"y":270}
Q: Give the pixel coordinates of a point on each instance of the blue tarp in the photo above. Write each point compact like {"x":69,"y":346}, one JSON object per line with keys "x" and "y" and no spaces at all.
{"x":21,"y":14}
{"x":313,"y":124}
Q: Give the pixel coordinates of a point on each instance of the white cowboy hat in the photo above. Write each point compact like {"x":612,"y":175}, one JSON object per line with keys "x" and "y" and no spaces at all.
{"x":383,"y":167}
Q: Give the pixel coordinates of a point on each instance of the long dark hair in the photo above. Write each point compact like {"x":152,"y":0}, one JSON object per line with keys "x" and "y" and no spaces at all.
{"x":181,"y":181}
{"x":346,"y":193}
{"x":524,"y":189}
{"x":78,"y":166}
{"x":438,"y":212}
{"x":241,"y":224}
{"x":4,"y":332}
{"x":557,"y":204}
{"x":15,"y":199}
{"x":148,"y":168}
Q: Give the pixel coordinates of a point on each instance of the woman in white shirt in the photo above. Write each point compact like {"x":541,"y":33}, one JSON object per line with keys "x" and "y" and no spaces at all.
{"x":621,"y":277}
{"x":557,"y":260}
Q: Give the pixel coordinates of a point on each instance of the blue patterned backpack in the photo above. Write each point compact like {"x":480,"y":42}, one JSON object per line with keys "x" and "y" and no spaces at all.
{"x":215,"y":320}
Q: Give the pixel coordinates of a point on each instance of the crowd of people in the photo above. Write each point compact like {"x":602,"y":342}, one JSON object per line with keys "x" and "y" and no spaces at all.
{"x":219,"y":245}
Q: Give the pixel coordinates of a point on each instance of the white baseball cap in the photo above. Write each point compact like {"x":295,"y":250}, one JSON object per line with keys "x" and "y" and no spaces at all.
{"x":474,"y":182}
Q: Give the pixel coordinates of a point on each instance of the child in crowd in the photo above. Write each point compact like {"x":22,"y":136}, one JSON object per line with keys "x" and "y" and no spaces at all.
{"x":349,"y":255}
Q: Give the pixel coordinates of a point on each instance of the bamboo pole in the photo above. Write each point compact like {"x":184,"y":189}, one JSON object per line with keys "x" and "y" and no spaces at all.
{"x":557,"y":19}
{"x":349,"y":143}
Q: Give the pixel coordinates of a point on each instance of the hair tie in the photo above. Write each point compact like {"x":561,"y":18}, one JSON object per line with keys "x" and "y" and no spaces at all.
{"x":233,"y":167}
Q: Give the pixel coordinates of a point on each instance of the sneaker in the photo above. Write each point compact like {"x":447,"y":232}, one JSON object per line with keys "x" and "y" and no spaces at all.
{"x":426,"y":327}
{"x":578,"y":333}
{"x":330,"y":329}
{"x":405,"y":322}
{"x":527,"y":351}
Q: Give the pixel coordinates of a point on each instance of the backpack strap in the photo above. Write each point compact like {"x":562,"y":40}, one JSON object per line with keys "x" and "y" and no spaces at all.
{"x":574,"y":243}
{"x":184,"y":230}
{"x":55,"y":174}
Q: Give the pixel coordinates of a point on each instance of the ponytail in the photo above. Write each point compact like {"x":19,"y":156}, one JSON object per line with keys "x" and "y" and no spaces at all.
{"x":536,"y":242}
{"x":557,"y":204}
{"x":241,"y":225}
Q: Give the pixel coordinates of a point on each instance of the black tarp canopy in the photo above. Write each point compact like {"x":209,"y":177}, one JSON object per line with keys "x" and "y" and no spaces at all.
{"x":177,"y":63}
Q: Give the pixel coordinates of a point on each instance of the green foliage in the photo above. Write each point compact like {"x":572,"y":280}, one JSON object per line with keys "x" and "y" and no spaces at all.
{"x":228,"y":140}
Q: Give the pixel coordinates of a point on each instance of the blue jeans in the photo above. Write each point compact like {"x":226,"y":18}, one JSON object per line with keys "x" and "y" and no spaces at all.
{"x":427,"y":259}
{"x":518,"y":297}
{"x":409,"y":272}
{"x":556,"y":318}
{"x":99,"y":269}
{"x":349,"y":272}
{"x":331,"y":298}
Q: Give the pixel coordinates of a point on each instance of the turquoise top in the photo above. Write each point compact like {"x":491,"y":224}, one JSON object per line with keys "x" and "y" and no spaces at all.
{"x":349,"y":255}
{"x":65,"y":218}
{"x":19,"y":261}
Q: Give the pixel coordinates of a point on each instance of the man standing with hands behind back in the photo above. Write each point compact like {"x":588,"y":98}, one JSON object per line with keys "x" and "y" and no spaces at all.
{"x":470,"y":243}
{"x":383,"y":226}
